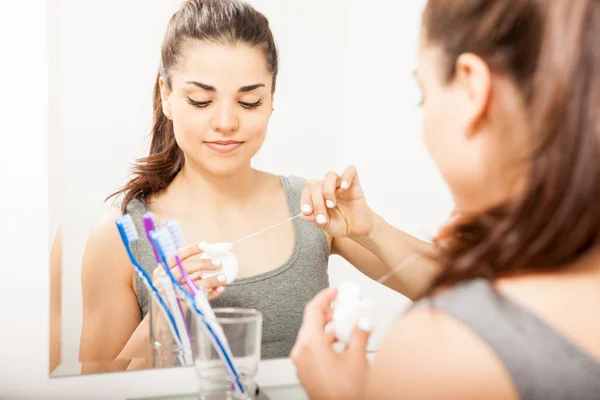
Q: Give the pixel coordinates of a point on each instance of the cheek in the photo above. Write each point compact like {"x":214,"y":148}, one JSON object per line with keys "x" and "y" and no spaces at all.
{"x":439,"y":129}
{"x":253,"y":129}
{"x":190,"y":125}
{"x":254,"y":123}
{"x":446,"y":139}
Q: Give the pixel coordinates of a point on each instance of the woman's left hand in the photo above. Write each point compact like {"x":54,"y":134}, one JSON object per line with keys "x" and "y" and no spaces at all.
{"x":324,"y":373}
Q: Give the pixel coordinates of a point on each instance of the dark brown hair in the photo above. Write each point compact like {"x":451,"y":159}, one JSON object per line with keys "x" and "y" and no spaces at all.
{"x":550,"y":50}
{"x":221,"y":21}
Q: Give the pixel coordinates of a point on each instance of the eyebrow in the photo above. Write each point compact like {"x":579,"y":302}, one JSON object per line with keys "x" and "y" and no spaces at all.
{"x":209,"y":88}
{"x":250,"y":88}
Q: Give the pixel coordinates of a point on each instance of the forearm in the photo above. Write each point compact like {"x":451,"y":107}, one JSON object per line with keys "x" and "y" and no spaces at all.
{"x":138,"y":345}
{"x":397,"y":249}
{"x":102,"y":352}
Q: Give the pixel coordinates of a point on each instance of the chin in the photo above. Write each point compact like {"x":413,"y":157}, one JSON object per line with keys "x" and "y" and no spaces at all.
{"x":223,"y":167}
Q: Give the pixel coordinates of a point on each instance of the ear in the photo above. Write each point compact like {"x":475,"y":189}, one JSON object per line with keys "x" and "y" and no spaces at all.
{"x":164,"y":95}
{"x":475,"y":78}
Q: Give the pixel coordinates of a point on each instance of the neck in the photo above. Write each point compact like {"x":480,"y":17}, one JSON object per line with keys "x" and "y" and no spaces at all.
{"x":217,"y":192}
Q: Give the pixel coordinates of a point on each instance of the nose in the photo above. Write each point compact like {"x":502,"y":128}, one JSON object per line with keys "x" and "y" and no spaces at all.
{"x":225,"y":120}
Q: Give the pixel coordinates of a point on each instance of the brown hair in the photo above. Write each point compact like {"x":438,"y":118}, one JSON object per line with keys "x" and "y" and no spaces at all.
{"x":222,"y":21}
{"x":550,"y":51}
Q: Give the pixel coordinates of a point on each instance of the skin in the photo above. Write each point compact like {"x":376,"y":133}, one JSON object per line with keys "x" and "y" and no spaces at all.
{"x":55,"y":301}
{"x":467,"y":133}
{"x":221,"y":93}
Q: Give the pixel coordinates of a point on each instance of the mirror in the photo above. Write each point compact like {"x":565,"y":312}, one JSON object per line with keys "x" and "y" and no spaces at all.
{"x":344,"y":96}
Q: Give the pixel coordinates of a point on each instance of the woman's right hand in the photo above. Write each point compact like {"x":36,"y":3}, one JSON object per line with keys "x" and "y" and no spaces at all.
{"x":194,"y":267}
{"x":337,"y":205}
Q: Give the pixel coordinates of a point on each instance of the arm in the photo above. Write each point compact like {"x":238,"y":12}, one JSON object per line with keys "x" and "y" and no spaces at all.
{"x":364,"y":238}
{"x":55,"y":300}
{"x":115,"y":336}
{"x":385,"y":248}
{"x":113,"y":327}
{"x":430,"y":355}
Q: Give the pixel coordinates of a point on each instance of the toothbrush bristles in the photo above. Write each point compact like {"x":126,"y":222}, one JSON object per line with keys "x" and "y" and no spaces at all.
{"x":176,"y":233}
{"x":129,"y":228}
{"x":166,"y":242}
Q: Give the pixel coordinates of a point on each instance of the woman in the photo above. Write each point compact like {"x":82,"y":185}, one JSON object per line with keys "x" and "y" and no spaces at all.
{"x":212,"y":103}
{"x":511,"y":116}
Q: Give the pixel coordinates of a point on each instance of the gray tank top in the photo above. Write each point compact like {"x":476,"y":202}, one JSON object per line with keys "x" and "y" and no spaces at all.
{"x":542,"y":363}
{"x":280,"y":294}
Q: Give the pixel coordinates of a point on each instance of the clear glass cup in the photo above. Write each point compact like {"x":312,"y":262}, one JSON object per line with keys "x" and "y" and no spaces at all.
{"x":166,"y":350}
{"x":243,"y":329}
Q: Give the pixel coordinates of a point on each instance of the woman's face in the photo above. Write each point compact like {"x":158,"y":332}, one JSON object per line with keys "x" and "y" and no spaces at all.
{"x":220,"y":102}
{"x":471,"y":125}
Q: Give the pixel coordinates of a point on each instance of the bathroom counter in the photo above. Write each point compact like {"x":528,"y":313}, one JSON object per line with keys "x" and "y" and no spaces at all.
{"x":276,"y":379}
{"x":289,"y":392}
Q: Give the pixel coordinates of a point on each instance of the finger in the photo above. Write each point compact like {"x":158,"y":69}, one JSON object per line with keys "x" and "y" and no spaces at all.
{"x":360,"y":337}
{"x":317,"y":310}
{"x":215,"y":292}
{"x":329,"y":186}
{"x":349,"y":177}
{"x":308,"y":218}
{"x":306,"y":201}
{"x":188,"y":251}
{"x":330,"y":337}
{"x":212,"y":282}
{"x":328,"y":315}
{"x":184,"y":253}
{"x":159,"y":275}
{"x":318,"y":203}
{"x":192,"y":266}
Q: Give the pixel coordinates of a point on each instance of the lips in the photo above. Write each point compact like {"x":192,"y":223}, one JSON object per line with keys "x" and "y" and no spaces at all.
{"x":223,"y":146}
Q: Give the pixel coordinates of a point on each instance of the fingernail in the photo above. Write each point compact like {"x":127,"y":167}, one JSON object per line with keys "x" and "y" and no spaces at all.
{"x":330,"y":204}
{"x":216,"y":262}
{"x":364,"y":324}
{"x":345,"y":185}
{"x":321,"y":219}
{"x":306,"y":209}
{"x":221,"y":278}
{"x":220,"y":289}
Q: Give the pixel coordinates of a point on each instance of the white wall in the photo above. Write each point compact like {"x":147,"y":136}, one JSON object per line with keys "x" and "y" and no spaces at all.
{"x":362,"y":110}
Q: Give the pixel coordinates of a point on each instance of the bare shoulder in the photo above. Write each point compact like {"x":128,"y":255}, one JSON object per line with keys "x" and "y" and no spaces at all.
{"x":430,"y":355}
{"x":104,"y":254}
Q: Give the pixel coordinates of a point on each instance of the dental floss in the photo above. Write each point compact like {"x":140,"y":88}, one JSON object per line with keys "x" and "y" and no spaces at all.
{"x":266,"y":229}
{"x":402,"y":265}
{"x":350,"y":307}
{"x":223,"y":254}
{"x":220,"y":252}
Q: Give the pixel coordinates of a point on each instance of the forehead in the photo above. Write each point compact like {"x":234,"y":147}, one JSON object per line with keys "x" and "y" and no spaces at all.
{"x":224,"y":66}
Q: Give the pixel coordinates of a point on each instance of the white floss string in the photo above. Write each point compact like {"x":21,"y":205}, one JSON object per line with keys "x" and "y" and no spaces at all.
{"x":384,"y":278}
{"x":266,"y":229}
{"x":403,"y":265}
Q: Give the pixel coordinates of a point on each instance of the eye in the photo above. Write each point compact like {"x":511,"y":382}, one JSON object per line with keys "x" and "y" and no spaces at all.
{"x":251,"y":105}
{"x":199,"y":104}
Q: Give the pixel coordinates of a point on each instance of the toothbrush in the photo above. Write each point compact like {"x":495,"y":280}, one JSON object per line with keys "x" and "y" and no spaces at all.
{"x":129,"y":235}
{"x":178,"y":314}
{"x":165,"y":245}
{"x":177,"y":236}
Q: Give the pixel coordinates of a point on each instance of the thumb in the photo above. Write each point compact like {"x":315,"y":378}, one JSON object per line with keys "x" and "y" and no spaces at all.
{"x":360,"y":336}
